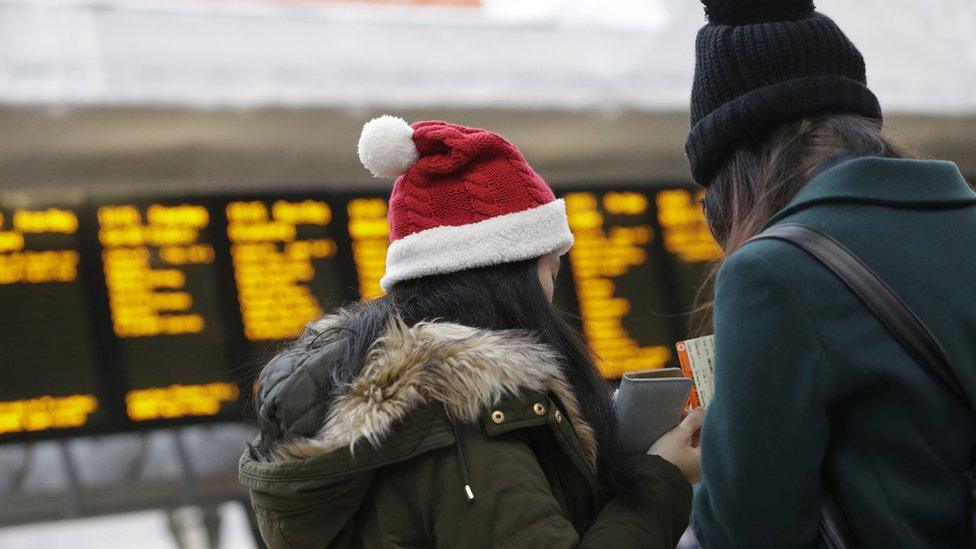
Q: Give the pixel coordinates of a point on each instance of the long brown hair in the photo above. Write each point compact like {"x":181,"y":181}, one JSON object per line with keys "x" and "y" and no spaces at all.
{"x":758,"y":180}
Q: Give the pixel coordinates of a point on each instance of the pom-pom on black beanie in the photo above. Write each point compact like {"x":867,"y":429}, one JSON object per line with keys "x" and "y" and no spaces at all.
{"x":762,"y":63}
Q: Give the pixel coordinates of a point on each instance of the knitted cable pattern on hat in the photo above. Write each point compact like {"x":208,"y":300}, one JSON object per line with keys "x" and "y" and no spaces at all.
{"x":464,"y":198}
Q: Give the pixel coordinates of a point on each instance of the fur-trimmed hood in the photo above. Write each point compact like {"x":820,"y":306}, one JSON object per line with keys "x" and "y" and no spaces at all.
{"x":467,"y":370}
{"x":449,"y":436}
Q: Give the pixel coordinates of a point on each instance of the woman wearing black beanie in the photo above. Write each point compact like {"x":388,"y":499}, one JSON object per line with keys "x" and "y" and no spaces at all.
{"x":824,"y":426}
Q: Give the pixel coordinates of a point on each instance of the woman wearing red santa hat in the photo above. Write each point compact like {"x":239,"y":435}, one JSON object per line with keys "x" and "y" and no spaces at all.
{"x":458,"y":410}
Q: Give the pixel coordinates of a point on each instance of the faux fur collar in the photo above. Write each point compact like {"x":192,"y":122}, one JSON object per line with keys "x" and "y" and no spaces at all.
{"x":466,"y":369}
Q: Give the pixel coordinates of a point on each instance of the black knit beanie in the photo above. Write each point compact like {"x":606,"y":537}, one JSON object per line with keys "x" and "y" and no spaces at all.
{"x":762,"y":63}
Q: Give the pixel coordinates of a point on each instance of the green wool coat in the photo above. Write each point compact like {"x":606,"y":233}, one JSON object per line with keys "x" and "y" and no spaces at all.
{"x":809,"y":385}
{"x":453,"y":437}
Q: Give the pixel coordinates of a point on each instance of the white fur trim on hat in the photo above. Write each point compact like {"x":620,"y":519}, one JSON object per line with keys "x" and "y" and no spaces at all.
{"x":503,"y":239}
{"x":386,"y":146}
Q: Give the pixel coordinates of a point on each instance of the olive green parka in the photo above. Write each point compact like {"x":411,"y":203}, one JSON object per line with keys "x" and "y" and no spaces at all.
{"x":454,"y":437}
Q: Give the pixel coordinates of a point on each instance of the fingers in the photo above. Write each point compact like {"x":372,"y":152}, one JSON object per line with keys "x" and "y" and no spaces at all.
{"x":692,"y":422}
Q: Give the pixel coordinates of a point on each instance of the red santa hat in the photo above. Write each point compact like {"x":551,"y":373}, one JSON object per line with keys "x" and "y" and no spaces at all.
{"x":463,"y":198}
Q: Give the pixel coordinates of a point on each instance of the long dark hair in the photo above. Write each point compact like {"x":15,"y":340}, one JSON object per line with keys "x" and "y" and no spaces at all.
{"x":501,"y":297}
{"x":760,"y":179}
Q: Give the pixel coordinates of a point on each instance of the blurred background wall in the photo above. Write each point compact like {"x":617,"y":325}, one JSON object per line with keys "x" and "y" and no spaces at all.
{"x":219,"y":92}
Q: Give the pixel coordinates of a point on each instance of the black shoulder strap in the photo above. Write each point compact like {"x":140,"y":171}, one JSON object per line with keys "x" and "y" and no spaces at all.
{"x":901,"y":321}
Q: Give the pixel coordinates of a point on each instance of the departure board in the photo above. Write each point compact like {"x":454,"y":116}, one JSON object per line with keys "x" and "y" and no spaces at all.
{"x":47,"y":353}
{"x":284,"y":257}
{"x":369,"y":232}
{"x":618,"y":279}
{"x":687,"y":239}
{"x":131,"y":313}
{"x":158,"y":260}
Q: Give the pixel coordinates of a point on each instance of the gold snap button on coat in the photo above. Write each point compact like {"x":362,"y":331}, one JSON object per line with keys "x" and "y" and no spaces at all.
{"x":497,"y":416}
{"x":539,"y":409}
{"x":558,"y":416}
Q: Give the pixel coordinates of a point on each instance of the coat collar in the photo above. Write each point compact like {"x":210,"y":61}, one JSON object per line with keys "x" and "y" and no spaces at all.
{"x":467,"y":371}
{"x":894,"y":182}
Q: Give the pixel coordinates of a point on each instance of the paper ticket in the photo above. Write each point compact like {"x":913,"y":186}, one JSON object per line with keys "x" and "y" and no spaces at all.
{"x":697,"y":358}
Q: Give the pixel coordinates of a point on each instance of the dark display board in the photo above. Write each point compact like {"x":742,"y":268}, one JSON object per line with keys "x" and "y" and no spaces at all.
{"x":687,"y":241}
{"x":48,"y":358}
{"x":290,"y":264}
{"x":634,"y":272}
{"x":160,"y":273}
{"x":126,"y":314}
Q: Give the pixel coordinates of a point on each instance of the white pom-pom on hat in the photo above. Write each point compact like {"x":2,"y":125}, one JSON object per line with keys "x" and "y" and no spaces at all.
{"x":386,"y":146}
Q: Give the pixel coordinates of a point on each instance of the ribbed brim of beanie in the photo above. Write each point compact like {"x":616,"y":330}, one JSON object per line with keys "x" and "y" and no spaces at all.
{"x":752,"y":78}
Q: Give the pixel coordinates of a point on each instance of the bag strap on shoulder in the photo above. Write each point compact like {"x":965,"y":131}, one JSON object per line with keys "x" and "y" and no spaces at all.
{"x":900,"y":320}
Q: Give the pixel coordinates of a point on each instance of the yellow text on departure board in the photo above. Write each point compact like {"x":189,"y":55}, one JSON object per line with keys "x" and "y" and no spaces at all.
{"x":686,"y":233}
{"x":178,"y":401}
{"x":370,"y":233}
{"x":601,"y":254}
{"x":146,"y":299}
{"x":46,"y":412}
{"x":272,"y":264}
{"x":20,"y":264}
